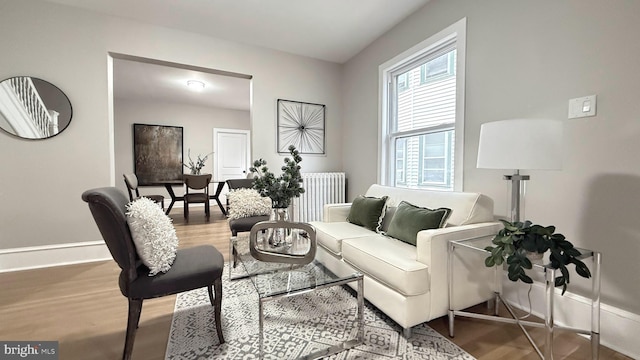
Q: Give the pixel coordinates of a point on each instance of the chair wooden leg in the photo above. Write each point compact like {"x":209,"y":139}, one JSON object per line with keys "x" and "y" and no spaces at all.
{"x":217,"y":306}
{"x":207,"y":210}
{"x":210,"y":288}
{"x":135,"y":308}
{"x":186,"y":210}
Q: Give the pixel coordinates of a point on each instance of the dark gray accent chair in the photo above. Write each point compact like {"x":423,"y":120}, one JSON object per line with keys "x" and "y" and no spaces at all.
{"x":243,"y":224}
{"x":193,"y":268}
{"x":131,"y":180}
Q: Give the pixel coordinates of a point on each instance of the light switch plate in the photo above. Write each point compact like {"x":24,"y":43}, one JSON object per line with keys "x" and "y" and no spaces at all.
{"x":582,"y":107}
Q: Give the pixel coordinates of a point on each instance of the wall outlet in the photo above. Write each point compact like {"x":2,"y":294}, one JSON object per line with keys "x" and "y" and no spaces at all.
{"x":582,"y":107}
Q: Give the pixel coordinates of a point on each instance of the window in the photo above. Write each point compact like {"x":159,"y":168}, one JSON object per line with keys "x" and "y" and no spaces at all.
{"x":403,"y":82}
{"x":401,"y":169}
{"x":436,"y":159}
{"x":439,"y":68}
{"x":422,"y":114}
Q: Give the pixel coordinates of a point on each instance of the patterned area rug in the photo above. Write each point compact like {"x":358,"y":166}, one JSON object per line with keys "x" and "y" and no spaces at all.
{"x":294,"y":326}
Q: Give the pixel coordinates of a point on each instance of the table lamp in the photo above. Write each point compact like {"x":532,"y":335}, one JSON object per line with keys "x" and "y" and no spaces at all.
{"x":520,"y":144}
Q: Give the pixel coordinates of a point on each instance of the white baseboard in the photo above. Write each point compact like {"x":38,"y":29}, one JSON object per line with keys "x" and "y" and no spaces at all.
{"x":35,"y":257}
{"x":619,"y":329}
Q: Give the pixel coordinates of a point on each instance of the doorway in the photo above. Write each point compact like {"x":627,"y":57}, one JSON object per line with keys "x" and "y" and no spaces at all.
{"x":155,"y":92}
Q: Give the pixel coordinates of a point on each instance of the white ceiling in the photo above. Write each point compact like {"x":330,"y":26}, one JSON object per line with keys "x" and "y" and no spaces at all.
{"x":331,"y":30}
{"x":140,"y":81}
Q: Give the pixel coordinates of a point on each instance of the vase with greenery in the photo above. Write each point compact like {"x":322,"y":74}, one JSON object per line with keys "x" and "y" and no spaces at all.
{"x":516,"y":240}
{"x":196,"y":166}
{"x":281,"y":190}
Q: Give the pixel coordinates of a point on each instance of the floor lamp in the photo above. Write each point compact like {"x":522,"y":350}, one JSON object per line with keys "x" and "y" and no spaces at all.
{"x":520,"y":144}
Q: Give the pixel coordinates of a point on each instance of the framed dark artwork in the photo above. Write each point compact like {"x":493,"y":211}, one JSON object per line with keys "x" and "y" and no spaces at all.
{"x":302,"y":125}
{"x":157,"y":153}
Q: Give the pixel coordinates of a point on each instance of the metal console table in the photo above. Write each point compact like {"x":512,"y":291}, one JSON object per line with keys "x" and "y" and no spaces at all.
{"x":478,"y":245}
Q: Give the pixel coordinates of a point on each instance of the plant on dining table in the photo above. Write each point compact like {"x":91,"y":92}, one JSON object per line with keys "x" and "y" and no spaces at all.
{"x":196,"y":166}
{"x":283,"y":188}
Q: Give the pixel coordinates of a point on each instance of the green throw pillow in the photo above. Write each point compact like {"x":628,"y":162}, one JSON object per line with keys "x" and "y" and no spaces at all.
{"x":409,"y":219}
{"x":367,"y":211}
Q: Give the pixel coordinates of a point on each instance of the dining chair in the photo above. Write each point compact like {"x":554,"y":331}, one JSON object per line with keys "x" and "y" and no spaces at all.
{"x":131,"y":180}
{"x":193,"y":268}
{"x":196,"y":182}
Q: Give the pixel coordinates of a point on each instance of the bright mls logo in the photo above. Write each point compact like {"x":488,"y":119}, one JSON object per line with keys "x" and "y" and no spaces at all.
{"x":10,"y":350}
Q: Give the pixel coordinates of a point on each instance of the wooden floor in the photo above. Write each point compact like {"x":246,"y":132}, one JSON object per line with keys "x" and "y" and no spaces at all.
{"x":81,"y":307}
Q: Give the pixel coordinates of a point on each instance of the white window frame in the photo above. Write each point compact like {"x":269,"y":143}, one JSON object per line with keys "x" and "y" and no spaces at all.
{"x":457,"y":31}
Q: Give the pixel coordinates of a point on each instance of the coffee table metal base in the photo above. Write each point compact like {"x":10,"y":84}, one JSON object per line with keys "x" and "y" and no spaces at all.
{"x":347,"y":344}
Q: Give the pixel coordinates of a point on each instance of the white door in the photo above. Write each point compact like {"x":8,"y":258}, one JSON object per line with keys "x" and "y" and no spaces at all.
{"x":231,"y":148}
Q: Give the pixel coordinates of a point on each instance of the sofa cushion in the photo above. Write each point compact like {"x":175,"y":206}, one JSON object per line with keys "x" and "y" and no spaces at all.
{"x":329,"y":235}
{"x":367,"y":211}
{"x":388,"y":216}
{"x":409,"y":219}
{"x":389,"y":261}
{"x":466,"y":207}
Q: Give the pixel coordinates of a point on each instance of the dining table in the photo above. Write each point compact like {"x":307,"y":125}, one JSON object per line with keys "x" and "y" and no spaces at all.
{"x":168,"y":184}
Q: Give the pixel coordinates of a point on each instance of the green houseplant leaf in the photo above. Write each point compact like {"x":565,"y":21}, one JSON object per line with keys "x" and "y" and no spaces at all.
{"x":283,"y":188}
{"x":514,"y":240}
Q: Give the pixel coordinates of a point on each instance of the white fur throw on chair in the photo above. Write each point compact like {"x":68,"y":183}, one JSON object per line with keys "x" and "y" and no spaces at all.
{"x":247,"y":202}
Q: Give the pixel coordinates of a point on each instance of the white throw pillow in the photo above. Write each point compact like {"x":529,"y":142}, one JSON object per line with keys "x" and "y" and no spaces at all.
{"x":247,"y":202}
{"x":153,"y":234}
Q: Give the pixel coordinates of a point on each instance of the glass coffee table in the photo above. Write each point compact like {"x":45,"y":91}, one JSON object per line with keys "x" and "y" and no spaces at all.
{"x":274,"y":280}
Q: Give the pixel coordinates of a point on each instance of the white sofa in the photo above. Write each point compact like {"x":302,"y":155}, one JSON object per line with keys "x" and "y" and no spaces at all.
{"x":406,"y":282}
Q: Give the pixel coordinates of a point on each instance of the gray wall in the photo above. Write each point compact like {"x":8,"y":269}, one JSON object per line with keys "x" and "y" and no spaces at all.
{"x":42,"y":181}
{"x":526,"y":59}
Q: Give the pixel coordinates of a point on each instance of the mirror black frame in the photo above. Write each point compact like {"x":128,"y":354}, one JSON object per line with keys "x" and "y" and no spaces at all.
{"x":42,"y":97}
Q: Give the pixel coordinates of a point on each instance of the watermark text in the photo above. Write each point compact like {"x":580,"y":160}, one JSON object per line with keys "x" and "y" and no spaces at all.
{"x":10,"y":350}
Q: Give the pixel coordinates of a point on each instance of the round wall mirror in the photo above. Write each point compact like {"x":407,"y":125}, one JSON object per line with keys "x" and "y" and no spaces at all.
{"x":32,"y":108}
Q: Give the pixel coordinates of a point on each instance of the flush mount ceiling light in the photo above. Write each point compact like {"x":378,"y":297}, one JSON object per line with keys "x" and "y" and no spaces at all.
{"x":195,"y":85}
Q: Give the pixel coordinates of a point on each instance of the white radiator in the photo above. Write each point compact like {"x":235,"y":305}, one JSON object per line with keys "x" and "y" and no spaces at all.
{"x":319,"y":189}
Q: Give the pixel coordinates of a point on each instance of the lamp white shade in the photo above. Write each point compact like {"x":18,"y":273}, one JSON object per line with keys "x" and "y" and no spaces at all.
{"x":521,"y":144}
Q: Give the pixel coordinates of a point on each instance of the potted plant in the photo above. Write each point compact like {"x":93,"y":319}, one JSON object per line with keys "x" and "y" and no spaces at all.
{"x":196,"y":166}
{"x":283,"y":188}
{"x":279,"y":189}
{"x":516,"y":240}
